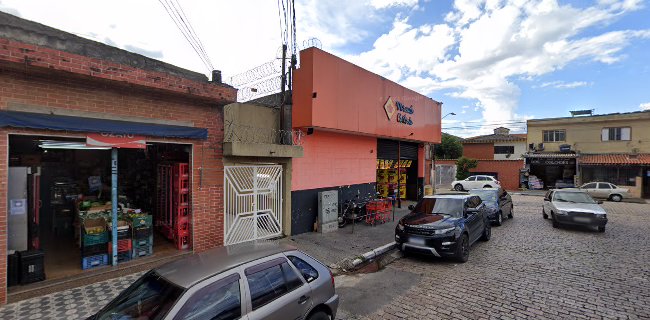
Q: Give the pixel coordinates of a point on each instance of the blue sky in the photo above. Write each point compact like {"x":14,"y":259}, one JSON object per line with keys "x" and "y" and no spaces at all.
{"x":492,"y":62}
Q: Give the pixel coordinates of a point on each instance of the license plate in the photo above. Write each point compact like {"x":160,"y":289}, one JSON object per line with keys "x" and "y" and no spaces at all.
{"x":417,"y":241}
{"x":581,"y":219}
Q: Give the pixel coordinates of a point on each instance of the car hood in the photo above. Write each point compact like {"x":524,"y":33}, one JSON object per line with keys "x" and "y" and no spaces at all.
{"x":429,"y":221}
{"x":582,"y":207}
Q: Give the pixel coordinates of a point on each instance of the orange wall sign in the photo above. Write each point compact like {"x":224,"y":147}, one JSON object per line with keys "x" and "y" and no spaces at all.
{"x":333,"y":94}
{"x":125,"y":141}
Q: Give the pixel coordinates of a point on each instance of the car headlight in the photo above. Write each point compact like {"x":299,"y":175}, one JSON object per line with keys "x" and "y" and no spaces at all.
{"x":400,"y":226}
{"x":562,"y":212}
{"x":443,"y":231}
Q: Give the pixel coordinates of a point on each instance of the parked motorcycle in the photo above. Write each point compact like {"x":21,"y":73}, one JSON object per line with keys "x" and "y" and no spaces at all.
{"x":352,"y":210}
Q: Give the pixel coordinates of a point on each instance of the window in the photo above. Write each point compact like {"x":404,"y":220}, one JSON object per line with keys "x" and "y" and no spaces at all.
{"x":554,"y":135}
{"x":604,"y":186}
{"x":589,"y":186}
{"x":448,"y":206}
{"x":471,"y":178}
{"x":308,"y":272}
{"x":620,"y":175}
{"x":220,"y":301}
{"x":473,"y":202}
{"x":481,"y":179}
{"x":271,"y":280}
{"x":615,"y":134}
{"x":504,"y":149}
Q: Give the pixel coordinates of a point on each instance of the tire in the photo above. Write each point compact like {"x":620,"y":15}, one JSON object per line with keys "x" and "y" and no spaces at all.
{"x":499,"y":221}
{"x":487,"y":233}
{"x":459,"y":187}
{"x":544,"y":215}
{"x":555,"y":223}
{"x":616,"y":197}
{"x":601,"y":229}
{"x":510,"y":215}
{"x":487,"y":186}
{"x":319,"y":315}
{"x":462,"y":250}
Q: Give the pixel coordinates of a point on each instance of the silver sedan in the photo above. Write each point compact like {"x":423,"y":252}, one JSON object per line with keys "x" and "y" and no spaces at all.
{"x":605,"y":190}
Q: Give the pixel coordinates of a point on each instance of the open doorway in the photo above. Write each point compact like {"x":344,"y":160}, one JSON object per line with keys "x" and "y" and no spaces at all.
{"x":65,"y":188}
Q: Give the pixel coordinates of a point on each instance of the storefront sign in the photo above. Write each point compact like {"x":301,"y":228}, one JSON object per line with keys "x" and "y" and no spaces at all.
{"x":392,"y":164}
{"x":552,"y":161}
{"x":403,"y":112}
{"x":126,"y":141}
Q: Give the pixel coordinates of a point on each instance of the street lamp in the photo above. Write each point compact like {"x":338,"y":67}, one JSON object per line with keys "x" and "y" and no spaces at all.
{"x":448,"y":114}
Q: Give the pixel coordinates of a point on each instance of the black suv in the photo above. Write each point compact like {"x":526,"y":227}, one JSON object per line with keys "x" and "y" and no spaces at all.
{"x":444,"y":225}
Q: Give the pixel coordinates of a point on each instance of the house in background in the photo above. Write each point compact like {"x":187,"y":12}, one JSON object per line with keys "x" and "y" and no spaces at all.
{"x":586,"y":147}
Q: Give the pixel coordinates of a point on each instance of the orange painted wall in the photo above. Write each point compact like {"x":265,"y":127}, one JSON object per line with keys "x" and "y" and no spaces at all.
{"x":334,"y":94}
{"x":478,"y":150}
{"x":334,"y":159}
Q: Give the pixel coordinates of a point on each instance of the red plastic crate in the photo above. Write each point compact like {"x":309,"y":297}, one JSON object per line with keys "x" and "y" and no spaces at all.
{"x":122,"y":245}
{"x":182,"y":241}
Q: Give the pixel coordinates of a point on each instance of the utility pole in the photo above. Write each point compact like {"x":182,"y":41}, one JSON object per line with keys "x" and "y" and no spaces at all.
{"x":283,"y":83}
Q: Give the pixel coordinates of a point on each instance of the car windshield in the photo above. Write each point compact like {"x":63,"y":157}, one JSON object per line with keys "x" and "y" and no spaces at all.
{"x":149,"y":298}
{"x":485,"y":195}
{"x":575,"y":197}
{"x":447,"y":206}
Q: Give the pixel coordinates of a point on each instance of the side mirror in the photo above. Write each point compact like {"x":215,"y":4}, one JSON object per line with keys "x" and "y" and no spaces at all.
{"x":547,"y":199}
{"x":411,"y":207}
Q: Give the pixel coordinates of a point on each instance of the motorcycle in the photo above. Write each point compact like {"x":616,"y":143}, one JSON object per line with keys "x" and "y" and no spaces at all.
{"x":352,"y":210}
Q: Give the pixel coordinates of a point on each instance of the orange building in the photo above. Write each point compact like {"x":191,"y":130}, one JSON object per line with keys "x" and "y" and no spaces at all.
{"x":357,"y":124}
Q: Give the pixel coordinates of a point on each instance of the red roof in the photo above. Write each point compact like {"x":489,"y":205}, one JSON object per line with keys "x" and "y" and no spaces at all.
{"x":615,"y":159}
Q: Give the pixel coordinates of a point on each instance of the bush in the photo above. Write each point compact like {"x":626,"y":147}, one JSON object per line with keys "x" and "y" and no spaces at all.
{"x":463,"y":165}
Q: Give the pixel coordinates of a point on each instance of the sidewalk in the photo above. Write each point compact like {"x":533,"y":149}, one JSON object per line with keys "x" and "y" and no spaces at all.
{"x":331,"y":249}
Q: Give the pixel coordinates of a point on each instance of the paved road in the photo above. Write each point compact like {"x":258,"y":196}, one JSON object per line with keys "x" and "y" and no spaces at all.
{"x":527,"y":270}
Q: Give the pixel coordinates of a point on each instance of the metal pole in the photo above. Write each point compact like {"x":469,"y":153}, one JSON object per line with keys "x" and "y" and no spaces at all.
{"x":399,"y":174}
{"x":283,"y":83}
{"x":114,"y":202}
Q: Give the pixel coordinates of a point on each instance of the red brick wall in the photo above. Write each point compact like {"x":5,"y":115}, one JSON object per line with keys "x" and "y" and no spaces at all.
{"x":202,"y":107}
{"x":478,"y":150}
{"x":507,"y":170}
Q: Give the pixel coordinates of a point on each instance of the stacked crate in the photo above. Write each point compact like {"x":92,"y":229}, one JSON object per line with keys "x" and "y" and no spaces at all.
{"x":94,"y":237}
{"x":142,"y":233}
{"x":123,"y":241}
{"x":181,"y":205}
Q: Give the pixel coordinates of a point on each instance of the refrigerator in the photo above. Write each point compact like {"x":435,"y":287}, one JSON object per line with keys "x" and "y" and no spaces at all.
{"x":23,"y":208}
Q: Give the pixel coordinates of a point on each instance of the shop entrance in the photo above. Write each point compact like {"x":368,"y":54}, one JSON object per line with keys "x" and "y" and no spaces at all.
{"x":547,"y":173}
{"x":65,"y":220}
{"x":388,"y":178}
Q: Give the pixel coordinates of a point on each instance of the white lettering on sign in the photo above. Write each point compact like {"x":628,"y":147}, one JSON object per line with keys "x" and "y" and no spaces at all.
{"x":117,"y":135}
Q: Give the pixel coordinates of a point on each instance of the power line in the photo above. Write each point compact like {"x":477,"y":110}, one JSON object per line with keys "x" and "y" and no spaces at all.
{"x":193,"y":33}
{"x":186,"y":33}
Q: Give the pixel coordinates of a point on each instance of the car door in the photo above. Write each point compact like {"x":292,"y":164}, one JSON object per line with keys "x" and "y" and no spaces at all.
{"x":480,"y":182}
{"x":505,"y":202}
{"x":469,"y":183}
{"x":275,"y":291}
{"x":604,"y":190}
{"x":473,"y":220}
{"x":547,"y":202}
{"x":219,"y":297}
{"x":590,"y":188}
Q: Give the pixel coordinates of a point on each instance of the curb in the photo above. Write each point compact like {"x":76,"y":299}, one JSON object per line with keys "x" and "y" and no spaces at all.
{"x":372,"y":254}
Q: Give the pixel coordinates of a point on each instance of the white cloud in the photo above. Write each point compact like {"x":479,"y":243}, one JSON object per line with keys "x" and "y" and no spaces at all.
{"x":486,"y":45}
{"x":383,"y":4}
{"x":645,"y":106}
{"x":565,"y":85}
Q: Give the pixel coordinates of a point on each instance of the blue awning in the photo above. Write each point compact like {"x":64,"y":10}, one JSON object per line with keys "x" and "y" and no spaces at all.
{"x":17,"y":119}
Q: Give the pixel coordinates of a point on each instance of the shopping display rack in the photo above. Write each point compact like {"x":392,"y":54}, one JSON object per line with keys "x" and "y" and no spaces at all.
{"x":173,"y":207}
{"x":378,"y":210}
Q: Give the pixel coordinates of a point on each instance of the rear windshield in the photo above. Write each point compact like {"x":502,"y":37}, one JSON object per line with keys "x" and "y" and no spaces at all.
{"x":149,"y":298}
{"x":448,"y":206}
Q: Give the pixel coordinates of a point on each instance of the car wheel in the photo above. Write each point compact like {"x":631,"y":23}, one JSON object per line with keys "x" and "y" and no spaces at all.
{"x":462,"y":250}
{"x":319,"y":315}
{"x":487,"y":186}
{"x":510,"y":215}
{"x":458,"y":187}
{"x":555,"y":223}
{"x":544,"y":215}
{"x":487,"y":233}
{"x":601,"y":229}
{"x":616,"y":197}
{"x":499,"y":221}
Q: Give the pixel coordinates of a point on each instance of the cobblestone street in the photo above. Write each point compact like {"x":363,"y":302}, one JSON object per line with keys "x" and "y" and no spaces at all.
{"x":527,"y":270}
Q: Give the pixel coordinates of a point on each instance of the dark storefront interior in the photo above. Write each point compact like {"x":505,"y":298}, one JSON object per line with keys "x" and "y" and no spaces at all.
{"x":553,"y":172}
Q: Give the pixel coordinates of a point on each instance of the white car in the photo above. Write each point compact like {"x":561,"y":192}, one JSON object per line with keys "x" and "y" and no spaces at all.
{"x":573,"y":207}
{"x":475,"y":182}
{"x":605,"y":190}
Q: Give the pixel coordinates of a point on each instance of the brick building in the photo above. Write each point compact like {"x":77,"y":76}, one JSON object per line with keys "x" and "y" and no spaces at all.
{"x":58,"y":89}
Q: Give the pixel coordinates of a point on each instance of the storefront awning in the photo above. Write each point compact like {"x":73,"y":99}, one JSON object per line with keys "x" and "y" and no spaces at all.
{"x":614,"y":159}
{"x":16,"y":119}
{"x":551,"y":155}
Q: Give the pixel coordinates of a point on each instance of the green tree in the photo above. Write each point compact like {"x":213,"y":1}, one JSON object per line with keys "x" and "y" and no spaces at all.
{"x":463,"y":165}
{"x":449,"y":147}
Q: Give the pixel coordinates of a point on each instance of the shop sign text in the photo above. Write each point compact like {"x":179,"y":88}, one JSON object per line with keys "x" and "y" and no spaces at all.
{"x":552,"y":162}
{"x":403,"y":112}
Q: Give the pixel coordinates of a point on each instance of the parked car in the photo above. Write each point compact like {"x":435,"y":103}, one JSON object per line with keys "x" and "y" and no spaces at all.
{"x":475,"y":182}
{"x":605,"y":190}
{"x":573,"y":207}
{"x":444,"y":226}
{"x":256,"y":281}
{"x":498,"y":203}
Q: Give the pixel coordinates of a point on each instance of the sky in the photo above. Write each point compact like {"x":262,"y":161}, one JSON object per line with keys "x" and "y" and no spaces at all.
{"x":491,"y":62}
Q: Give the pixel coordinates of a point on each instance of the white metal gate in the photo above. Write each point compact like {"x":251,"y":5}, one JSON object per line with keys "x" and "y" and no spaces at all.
{"x":252,"y":203}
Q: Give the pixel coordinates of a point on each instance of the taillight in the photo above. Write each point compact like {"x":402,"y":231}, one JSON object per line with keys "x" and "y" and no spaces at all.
{"x":332,"y":277}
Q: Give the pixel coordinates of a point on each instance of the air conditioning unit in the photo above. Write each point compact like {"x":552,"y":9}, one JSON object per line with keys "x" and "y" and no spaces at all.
{"x":540,"y":147}
{"x":531,"y":147}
